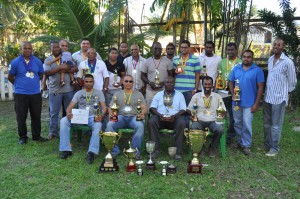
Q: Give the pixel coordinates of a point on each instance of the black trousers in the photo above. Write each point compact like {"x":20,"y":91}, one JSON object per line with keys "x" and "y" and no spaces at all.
{"x":178,"y":125}
{"x":33,"y":103}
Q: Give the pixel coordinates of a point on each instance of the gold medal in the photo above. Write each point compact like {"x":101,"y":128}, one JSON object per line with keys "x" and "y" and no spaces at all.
{"x":31,"y":74}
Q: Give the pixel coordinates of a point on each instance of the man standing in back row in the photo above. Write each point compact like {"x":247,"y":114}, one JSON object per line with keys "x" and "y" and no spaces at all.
{"x":281,"y":81}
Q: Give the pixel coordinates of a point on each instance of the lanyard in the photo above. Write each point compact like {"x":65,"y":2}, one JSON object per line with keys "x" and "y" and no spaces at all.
{"x":207,"y":103}
{"x":134,"y":63}
{"x":183,"y":62}
{"x":127,"y":101}
{"x":57,"y":62}
{"x":88,"y":98}
{"x":92,"y":67}
{"x":156,"y":66}
{"x":27,"y":63}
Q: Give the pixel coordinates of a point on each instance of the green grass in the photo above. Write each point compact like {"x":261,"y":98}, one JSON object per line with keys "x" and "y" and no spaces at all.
{"x":35,"y":170}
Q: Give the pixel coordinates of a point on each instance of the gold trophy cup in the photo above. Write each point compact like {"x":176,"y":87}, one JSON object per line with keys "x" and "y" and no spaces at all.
{"x":237,"y":96}
{"x":220,"y":81}
{"x":220,"y":113}
{"x":195,"y":109}
{"x":196,"y":140}
{"x":109,"y":139}
{"x":130,"y":154}
{"x":139,"y":110}
{"x":157,"y":80}
{"x":97,"y":110}
{"x":114,"y":110}
{"x":179,"y":69}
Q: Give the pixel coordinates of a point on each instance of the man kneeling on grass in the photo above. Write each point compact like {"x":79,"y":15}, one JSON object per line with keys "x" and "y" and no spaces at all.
{"x":85,"y":98}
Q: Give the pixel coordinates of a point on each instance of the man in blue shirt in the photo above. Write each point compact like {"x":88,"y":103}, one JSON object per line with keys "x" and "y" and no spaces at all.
{"x":167,"y":116}
{"x":250,"y":80}
{"x":25,"y":73}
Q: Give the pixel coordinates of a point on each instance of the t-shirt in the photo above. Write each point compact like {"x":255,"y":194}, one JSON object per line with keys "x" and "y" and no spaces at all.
{"x":247,"y":83}
{"x":82,"y":99}
{"x":79,"y":57}
{"x":132,"y":102}
{"x":120,"y":58}
{"x":111,"y":71}
{"x":163,"y":65}
{"x":130,"y":66}
{"x":227,"y":66}
{"x":54,"y":80}
{"x":177,"y":105}
{"x":27,"y":76}
{"x":186,"y":82}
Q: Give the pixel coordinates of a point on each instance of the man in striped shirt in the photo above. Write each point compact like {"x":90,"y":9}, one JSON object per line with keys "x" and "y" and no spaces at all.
{"x":187,"y":81}
{"x":281,"y":80}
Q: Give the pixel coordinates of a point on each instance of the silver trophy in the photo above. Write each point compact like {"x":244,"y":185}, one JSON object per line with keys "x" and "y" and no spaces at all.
{"x":150,"y":147}
{"x":168,"y":101}
{"x":140,"y":170}
{"x":164,"y":170}
{"x":172,"y":152}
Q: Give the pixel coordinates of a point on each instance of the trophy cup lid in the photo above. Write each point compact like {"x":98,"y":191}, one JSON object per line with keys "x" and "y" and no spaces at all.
{"x":139,"y":162}
{"x":130,"y":150}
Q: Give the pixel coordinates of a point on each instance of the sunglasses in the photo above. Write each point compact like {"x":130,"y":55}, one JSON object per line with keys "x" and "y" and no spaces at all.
{"x":128,"y":81}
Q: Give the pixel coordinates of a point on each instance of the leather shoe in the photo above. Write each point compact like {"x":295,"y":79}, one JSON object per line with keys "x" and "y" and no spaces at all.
{"x":23,"y":141}
{"x":66,"y":154}
{"x":90,"y":157}
{"x":40,"y":139}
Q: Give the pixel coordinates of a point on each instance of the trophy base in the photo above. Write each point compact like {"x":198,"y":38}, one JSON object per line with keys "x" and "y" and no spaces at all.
{"x":131,"y":168}
{"x":171,"y":170}
{"x":150,"y":167}
{"x":194,"y":168}
{"x":106,"y":169}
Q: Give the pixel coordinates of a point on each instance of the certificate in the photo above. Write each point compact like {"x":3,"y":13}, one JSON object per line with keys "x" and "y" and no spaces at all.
{"x":80,"y":116}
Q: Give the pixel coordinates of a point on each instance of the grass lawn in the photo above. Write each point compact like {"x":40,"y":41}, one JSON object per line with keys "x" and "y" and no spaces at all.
{"x":35,"y":170}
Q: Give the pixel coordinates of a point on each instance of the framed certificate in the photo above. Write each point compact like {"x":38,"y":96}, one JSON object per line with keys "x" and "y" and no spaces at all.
{"x":80,"y":116}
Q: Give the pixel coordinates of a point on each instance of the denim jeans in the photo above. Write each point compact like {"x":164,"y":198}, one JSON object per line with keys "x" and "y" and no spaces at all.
{"x":64,"y":141}
{"x":128,"y":122}
{"x":273,"y":120}
{"x":55,"y":102}
{"x":243,"y":125}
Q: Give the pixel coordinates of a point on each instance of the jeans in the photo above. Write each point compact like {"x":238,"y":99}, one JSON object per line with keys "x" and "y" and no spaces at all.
{"x":33,"y":103}
{"x":216,"y":129}
{"x":243,"y":125}
{"x":55,"y":102}
{"x":230,"y":131}
{"x":64,"y":141}
{"x":187,"y":97}
{"x":273,"y":120}
{"x":128,"y":122}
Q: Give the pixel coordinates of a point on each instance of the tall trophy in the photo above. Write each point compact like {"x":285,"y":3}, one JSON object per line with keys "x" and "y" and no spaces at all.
{"x":168,"y":101}
{"x":150,"y":147}
{"x":157,"y":80}
{"x":195,"y":109}
{"x":130,"y":154}
{"x":171,"y":169}
{"x":97,"y":110}
{"x":237,"y":96}
{"x":109,"y":164}
{"x":114,"y":110}
{"x":138,"y":110}
{"x":196,"y":140}
{"x":85,"y":71}
{"x":226,"y":82}
{"x":116,"y":83}
{"x":220,"y":113}
{"x":179,"y":69}
{"x":204,"y":70}
{"x":220,"y":81}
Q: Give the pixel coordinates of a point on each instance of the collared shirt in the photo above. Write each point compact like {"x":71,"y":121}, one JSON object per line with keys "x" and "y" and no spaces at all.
{"x":186,"y":82}
{"x":281,"y":79}
{"x":206,"y":114}
{"x":130,"y":66}
{"x":79,"y":57}
{"x":99,"y":74}
{"x":248,"y":80}
{"x":177,"y":105}
{"x":226,"y":66}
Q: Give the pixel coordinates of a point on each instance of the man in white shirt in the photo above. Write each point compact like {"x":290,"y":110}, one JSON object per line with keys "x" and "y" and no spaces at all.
{"x":280,"y":82}
{"x":210,"y":60}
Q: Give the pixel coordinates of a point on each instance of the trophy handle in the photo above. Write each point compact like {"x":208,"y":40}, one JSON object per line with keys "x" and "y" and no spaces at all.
{"x":101,"y":135}
{"x":124,"y":151}
{"x":119,"y":136}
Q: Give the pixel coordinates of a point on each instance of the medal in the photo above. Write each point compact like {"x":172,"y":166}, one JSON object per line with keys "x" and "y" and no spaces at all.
{"x":157,"y":72}
{"x":205,"y":112}
{"x":31,"y":74}
{"x":127,"y":109}
{"x":134,"y":71}
{"x":27,"y":74}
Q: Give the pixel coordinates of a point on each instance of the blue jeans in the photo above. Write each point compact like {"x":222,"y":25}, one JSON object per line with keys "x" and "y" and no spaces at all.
{"x":243,"y":125}
{"x":273,"y":120}
{"x":128,"y":122}
{"x":55,"y":101}
{"x":64,"y":141}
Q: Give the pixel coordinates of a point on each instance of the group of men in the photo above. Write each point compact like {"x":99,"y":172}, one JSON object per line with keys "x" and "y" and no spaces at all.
{"x":133,"y":79}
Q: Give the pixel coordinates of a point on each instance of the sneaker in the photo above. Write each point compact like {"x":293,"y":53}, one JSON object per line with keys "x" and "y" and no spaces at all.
{"x":90,"y":157}
{"x":272,"y":153}
{"x":177,"y":157}
{"x":246,"y":151}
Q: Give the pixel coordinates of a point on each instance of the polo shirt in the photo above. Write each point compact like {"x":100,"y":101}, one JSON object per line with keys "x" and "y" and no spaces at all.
{"x":247,"y":83}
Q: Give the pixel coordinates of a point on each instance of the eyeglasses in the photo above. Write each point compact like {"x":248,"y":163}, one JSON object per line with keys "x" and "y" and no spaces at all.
{"x":170,"y":48}
{"x":128,"y":81}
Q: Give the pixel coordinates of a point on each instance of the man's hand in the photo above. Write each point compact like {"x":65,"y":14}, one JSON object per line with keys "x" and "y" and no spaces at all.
{"x":99,"y":119}
{"x":63,"y":67}
{"x":254,"y":108}
{"x":69,"y":116}
{"x":142,"y":116}
{"x":152,"y":85}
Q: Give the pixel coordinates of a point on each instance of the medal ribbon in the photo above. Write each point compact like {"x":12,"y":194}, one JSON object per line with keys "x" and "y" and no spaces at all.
{"x":27,"y":63}
{"x":88,"y":98}
{"x":207,"y":103}
{"x":57,"y":62}
{"x":92,"y":67}
{"x":156,"y":66}
{"x":183,"y":61}
{"x":134,"y":63}
{"x":127,"y":101}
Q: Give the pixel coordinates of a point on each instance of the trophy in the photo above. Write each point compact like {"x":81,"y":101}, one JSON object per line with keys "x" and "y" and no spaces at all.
{"x":195,"y":108}
{"x":139,"y":110}
{"x":172,"y":152}
{"x":140,"y":170}
{"x":130,"y":154}
{"x":164,"y":170}
{"x":97,"y":110}
{"x":237,"y":96}
{"x":85,"y":71}
{"x":220,"y":113}
{"x":150,"y":147}
{"x":179,"y":69}
{"x":114,"y":110}
{"x":168,"y":101}
{"x":196,"y":140}
{"x":109,"y":139}
{"x":116,"y":83}
{"x":204,"y":71}
{"x":157,"y":80}
{"x":219,"y":81}
{"x":226,"y":82}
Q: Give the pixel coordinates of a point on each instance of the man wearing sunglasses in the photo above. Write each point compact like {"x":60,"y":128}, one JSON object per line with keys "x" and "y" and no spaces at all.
{"x":170,"y":49}
{"x":127,"y":100}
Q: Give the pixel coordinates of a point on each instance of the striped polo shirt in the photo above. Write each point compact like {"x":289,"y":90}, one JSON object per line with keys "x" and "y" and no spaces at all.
{"x":186,"y":82}
{"x":281,"y":79}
